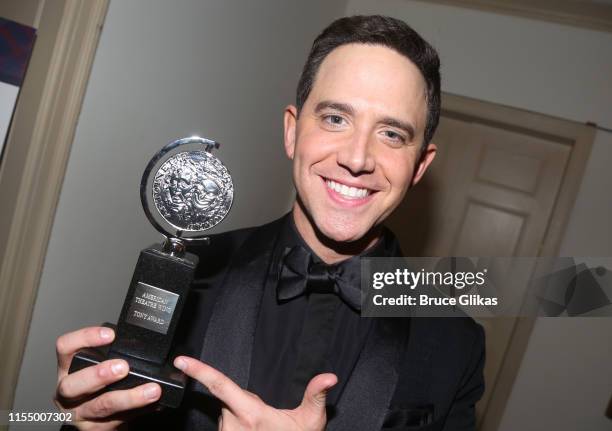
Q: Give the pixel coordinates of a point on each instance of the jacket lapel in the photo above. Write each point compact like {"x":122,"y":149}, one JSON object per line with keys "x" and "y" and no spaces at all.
{"x":370,"y":389}
{"x":229,"y":338}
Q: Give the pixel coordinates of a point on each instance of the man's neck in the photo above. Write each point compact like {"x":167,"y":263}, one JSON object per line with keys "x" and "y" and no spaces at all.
{"x":328,"y":250}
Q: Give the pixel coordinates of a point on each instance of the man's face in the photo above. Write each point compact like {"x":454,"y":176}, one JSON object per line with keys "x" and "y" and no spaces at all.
{"x":356,"y":144}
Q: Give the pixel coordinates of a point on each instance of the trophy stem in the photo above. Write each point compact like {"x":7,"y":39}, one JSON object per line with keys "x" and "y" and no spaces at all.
{"x":174,"y":247}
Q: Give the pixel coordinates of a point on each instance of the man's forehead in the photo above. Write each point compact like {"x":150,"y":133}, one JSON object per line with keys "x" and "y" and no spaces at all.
{"x":369,"y":73}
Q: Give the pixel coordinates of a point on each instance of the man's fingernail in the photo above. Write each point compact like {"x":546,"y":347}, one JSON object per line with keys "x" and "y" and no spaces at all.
{"x":118,"y":368}
{"x":151,"y":391}
{"x":106,"y":333}
{"x":180,"y":364}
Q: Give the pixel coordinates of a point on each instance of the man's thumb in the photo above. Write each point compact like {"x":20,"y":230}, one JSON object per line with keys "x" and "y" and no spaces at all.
{"x":316,"y":391}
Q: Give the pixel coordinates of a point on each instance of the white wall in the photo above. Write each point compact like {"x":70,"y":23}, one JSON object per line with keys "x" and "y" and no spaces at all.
{"x":543,"y":67}
{"x":163,"y":70}
{"x":565,"y":380}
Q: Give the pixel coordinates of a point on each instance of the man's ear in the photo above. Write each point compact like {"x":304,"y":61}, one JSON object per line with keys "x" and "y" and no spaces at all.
{"x":426,"y":158}
{"x":290,"y":124}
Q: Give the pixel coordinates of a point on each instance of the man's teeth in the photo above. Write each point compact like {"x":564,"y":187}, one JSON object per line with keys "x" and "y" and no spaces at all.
{"x":346,"y":191}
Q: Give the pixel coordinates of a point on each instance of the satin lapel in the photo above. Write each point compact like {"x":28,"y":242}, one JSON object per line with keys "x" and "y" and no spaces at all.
{"x":229,"y":338}
{"x":368,"y":393}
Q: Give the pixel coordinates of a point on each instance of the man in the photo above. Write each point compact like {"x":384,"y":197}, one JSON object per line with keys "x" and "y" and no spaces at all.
{"x":273,"y":330}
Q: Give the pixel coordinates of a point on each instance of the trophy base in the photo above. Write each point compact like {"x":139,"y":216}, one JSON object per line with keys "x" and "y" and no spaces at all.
{"x":171,"y":380}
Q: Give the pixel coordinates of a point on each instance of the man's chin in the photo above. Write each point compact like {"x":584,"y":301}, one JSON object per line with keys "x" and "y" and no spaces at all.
{"x":344,"y":234}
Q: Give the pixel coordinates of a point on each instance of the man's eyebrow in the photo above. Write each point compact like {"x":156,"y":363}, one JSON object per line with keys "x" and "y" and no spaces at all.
{"x":394,"y":122}
{"x":337,"y":106}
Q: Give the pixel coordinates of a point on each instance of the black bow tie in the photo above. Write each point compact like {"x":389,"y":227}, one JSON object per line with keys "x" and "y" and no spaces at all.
{"x":300,"y":274}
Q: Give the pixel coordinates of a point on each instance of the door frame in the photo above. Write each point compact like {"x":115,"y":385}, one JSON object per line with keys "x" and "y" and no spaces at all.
{"x":34,"y":163}
{"x":580,"y":138}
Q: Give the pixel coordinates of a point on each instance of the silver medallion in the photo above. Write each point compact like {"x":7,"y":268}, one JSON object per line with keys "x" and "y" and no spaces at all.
{"x":191,"y":190}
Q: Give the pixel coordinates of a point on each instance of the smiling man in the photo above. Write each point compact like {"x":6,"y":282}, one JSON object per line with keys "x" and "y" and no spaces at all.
{"x":356,"y":142}
{"x":274,"y":331}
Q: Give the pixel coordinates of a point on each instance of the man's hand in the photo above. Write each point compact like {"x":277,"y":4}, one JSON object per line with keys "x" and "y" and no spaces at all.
{"x":76,"y":391}
{"x":244,"y":410}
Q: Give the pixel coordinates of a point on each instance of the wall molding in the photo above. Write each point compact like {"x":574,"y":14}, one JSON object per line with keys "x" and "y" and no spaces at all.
{"x":587,"y":14}
{"x":34,"y":164}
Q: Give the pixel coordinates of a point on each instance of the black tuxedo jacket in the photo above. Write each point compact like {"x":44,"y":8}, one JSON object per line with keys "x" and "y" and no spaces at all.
{"x":412,"y":374}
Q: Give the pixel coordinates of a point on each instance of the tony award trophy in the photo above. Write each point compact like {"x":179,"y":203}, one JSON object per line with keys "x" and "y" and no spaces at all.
{"x":185,"y":190}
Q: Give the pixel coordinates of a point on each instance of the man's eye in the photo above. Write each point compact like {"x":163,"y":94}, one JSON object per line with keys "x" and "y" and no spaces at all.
{"x":394,"y":136}
{"x":334,"y":120}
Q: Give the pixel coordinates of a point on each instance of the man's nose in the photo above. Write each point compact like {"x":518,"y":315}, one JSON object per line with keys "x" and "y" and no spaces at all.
{"x":356,"y":154}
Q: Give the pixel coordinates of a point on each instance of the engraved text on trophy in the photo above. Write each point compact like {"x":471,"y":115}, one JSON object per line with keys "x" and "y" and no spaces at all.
{"x":152,"y":308}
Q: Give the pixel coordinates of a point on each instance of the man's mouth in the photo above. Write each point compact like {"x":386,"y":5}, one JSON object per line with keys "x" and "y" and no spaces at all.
{"x":347,"y":192}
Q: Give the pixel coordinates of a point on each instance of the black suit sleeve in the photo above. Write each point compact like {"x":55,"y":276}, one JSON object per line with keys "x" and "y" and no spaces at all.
{"x":462,"y":414}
